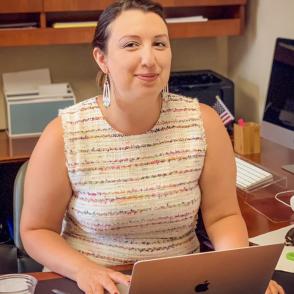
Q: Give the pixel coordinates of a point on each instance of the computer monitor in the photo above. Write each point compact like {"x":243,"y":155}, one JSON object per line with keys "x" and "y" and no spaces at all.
{"x":278,"y":118}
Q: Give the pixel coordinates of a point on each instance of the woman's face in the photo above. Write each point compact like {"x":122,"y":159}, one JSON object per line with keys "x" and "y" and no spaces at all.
{"x":138,"y":57}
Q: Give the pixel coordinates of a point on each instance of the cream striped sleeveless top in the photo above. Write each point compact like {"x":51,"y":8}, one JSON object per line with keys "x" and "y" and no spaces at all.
{"x":134,"y":196}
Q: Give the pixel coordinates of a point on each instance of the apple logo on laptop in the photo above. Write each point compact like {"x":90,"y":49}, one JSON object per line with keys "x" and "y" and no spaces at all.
{"x":202,"y":287}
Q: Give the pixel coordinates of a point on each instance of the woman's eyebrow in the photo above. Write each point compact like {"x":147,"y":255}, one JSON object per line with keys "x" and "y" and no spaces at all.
{"x":129,"y":36}
{"x":161,"y":36}
{"x":138,"y":37}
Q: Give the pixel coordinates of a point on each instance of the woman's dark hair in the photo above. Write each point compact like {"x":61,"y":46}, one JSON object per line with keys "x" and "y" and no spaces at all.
{"x":113,"y":11}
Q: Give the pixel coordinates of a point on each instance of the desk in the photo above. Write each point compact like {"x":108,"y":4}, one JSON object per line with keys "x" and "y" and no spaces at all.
{"x":19,"y":149}
{"x":284,"y":279}
{"x":49,"y":275}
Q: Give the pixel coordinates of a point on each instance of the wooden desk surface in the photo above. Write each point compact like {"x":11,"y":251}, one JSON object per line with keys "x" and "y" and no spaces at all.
{"x":15,"y":149}
{"x":50,"y":275}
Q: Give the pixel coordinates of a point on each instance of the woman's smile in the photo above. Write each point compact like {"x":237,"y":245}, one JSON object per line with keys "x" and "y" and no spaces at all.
{"x":147,"y":77}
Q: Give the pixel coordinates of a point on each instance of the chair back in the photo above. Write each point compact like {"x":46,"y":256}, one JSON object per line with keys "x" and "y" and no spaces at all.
{"x":24,"y":262}
{"x":18,"y":190}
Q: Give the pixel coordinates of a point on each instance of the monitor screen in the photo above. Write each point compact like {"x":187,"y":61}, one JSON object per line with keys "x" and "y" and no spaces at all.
{"x":278,"y":117}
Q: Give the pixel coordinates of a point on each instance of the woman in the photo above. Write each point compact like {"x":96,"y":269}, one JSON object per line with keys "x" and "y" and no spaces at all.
{"x":127,"y":171}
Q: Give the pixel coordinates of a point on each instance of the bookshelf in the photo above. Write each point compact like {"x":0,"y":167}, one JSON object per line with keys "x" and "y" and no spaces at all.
{"x":225,"y":18}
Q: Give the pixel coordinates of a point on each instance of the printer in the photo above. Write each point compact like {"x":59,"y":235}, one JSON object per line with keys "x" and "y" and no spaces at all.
{"x":204,"y":85}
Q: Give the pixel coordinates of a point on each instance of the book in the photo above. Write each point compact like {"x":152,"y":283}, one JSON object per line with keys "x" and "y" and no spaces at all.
{"x":75,"y":24}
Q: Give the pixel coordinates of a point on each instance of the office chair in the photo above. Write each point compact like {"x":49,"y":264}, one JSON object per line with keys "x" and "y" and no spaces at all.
{"x":24,"y":262}
{"x":205,"y":243}
{"x":7,"y":259}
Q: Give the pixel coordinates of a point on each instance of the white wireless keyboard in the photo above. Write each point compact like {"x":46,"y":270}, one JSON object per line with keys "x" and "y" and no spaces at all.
{"x":250,"y":176}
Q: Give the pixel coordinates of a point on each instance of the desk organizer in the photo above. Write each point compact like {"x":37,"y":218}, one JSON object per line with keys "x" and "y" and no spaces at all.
{"x":247,"y":138}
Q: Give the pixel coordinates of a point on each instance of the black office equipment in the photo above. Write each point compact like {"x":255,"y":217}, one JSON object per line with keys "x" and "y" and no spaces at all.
{"x":204,"y":85}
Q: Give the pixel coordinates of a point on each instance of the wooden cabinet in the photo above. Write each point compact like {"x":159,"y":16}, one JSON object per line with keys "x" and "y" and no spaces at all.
{"x":225,"y":18}
{"x":15,"y":6}
{"x":75,"y":5}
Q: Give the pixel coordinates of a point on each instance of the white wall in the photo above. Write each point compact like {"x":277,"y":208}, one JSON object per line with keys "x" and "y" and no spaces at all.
{"x":250,"y":55}
{"x":74,"y":63}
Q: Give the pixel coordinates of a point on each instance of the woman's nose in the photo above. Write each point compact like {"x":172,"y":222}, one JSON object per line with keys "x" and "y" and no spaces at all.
{"x":148,"y":57}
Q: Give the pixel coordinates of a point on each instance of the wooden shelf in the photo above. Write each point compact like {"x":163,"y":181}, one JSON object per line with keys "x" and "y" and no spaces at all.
{"x":212,"y":28}
{"x":193,"y":3}
{"x":75,"y":5}
{"x":21,"y":6}
{"x":30,"y":37}
{"x":89,"y":5}
{"x":225,"y":18}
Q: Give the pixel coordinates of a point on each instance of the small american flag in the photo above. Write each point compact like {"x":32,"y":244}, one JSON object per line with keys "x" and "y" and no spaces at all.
{"x":224,"y":113}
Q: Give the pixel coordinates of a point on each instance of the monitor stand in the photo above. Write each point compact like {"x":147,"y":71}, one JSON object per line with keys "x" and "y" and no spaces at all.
{"x":289,"y":168}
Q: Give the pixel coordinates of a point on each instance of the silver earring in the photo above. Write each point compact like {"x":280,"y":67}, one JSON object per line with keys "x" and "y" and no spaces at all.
{"x":165,"y":92}
{"x":106,"y":93}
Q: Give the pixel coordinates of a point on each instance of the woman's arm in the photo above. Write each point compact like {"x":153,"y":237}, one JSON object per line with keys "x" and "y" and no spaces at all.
{"x":47,"y":192}
{"x":219,"y":206}
{"x":222,"y":218}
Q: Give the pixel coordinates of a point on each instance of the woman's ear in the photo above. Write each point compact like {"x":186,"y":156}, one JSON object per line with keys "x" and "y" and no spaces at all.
{"x":100,"y":59}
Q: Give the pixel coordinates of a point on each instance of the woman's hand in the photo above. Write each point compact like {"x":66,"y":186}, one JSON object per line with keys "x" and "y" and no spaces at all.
{"x":274,"y":288}
{"x":93,"y":279}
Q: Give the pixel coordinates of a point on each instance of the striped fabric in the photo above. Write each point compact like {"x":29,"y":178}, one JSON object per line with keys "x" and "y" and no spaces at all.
{"x":134,"y":196}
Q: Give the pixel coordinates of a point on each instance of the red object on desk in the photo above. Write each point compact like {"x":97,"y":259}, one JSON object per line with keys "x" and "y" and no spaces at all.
{"x":241,"y":122}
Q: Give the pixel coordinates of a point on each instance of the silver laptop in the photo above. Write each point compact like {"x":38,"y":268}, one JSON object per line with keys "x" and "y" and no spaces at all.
{"x":242,"y":271}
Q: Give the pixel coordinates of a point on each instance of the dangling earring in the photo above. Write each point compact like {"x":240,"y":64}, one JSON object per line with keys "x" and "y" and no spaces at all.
{"x":106,"y":92}
{"x":165,"y":92}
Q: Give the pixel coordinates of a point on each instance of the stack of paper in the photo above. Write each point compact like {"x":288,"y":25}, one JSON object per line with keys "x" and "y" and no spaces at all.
{"x":198,"y":18}
{"x":32,"y":85}
{"x":276,"y":237}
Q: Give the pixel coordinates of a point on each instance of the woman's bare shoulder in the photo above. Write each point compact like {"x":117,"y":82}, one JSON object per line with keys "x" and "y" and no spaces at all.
{"x":211,"y":119}
{"x":53,"y":132}
{"x":50,"y":143}
{"x":54,"y":127}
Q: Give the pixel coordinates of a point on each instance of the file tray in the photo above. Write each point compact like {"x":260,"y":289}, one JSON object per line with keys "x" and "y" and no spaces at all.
{"x":259,"y":181}
{"x":28,"y":114}
{"x":32,"y":101}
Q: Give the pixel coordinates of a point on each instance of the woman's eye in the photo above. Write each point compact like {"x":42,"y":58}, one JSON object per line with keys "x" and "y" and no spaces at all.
{"x":160,"y":44}
{"x":130,"y":45}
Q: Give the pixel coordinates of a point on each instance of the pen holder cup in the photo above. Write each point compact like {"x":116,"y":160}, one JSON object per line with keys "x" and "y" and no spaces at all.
{"x":17,"y":283}
{"x":247,"y":138}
